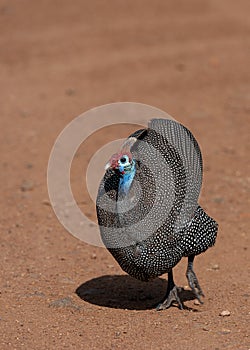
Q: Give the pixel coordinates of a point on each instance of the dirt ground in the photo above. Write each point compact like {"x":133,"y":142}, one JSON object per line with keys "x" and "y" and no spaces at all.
{"x":61,"y":58}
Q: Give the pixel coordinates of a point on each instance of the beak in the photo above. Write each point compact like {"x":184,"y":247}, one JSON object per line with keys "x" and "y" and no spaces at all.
{"x":107,"y":166}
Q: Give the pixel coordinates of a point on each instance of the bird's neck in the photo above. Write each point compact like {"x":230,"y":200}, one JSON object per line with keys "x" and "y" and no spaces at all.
{"x":127,"y":179}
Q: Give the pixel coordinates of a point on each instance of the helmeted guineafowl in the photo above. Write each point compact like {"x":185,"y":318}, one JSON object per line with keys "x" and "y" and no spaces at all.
{"x":147,"y":205}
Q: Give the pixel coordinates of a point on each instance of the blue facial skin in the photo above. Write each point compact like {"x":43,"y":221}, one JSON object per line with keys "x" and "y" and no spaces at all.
{"x":127,"y":176}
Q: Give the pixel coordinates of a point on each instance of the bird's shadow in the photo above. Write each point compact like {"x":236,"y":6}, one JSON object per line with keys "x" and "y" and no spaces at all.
{"x":125,"y":292}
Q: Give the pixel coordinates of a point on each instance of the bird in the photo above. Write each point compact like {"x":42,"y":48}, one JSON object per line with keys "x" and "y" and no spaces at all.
{"x":147,"y":206}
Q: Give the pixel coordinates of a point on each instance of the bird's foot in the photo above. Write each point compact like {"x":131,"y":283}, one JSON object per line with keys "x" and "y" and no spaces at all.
{"x":172,"y":296}
{"x":194,"y":284}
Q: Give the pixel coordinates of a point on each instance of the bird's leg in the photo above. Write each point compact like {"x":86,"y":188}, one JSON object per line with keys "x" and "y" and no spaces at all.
{"x":171,"y":295}
{"x":192,"y":279}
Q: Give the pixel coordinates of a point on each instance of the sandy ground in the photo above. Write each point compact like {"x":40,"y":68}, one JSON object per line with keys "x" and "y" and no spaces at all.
{"x":57,"y":60}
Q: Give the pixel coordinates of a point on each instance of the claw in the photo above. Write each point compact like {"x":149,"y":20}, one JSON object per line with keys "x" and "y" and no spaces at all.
{"x":171,"y":298}
{"x":171,"y":295}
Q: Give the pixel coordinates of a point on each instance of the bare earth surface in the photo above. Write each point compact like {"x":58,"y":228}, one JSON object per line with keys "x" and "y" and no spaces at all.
{"x":61,"y":58}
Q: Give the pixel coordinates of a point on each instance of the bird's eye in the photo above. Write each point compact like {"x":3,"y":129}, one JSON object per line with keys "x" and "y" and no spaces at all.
{"x":123,"y":160}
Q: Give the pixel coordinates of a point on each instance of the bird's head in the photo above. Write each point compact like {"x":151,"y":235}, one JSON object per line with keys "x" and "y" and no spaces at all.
{"x":123,"y":161}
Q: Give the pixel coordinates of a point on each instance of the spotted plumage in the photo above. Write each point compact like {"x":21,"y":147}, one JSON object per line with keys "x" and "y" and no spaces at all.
{"x":147,"y":205}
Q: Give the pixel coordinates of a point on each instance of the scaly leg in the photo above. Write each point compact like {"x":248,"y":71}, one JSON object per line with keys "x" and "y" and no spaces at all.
{"x":192,"y":279}
{"x":171,"y":295}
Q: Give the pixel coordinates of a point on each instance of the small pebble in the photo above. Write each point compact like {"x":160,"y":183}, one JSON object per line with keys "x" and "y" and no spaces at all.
{"x":225,"y":313}
{"x":93,"y":256}
{"x":215,"y":267}
{"x":196,"y":302}
{"x":205,"y":329}
{"x":27,"y":185}
{"x":64,"y":303}
{"x":46,"y":202}
{"x":225,"y":331}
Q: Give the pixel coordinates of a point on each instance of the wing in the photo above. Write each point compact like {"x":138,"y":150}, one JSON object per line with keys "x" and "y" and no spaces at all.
{"x":164,"y":193}
{"x":186,"y":146}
